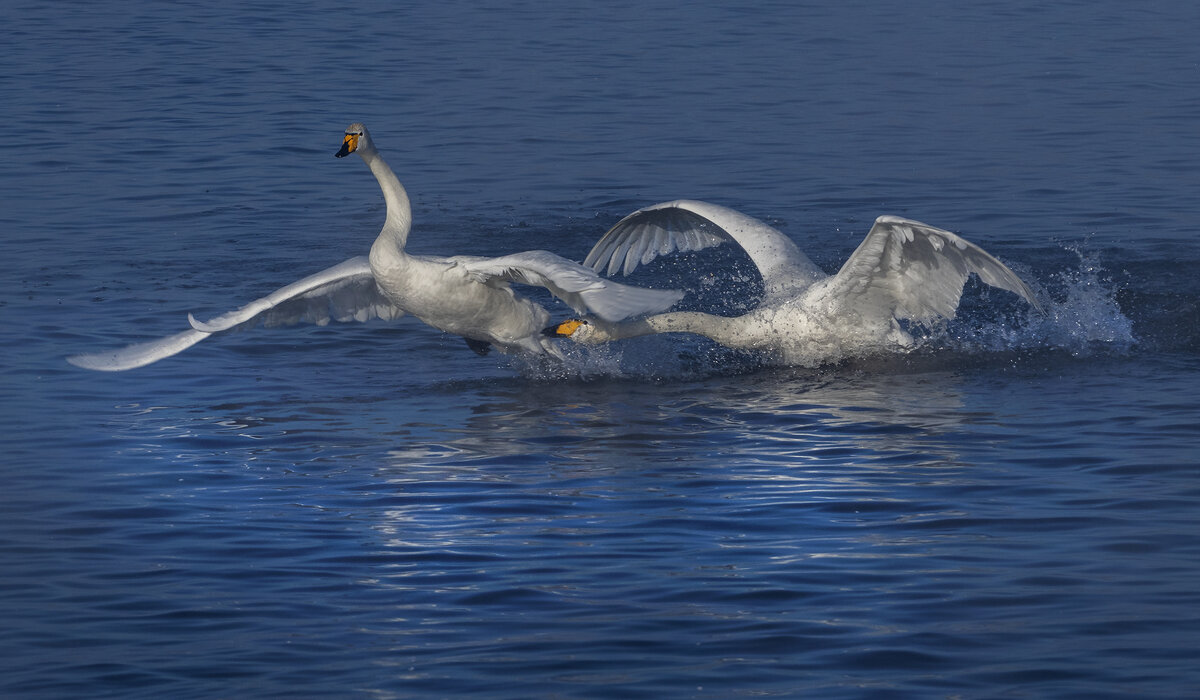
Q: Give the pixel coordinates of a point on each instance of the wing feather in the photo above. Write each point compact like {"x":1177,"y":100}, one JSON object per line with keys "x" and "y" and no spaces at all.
{"x":916,"y":272}
{"x":344,"y":292}
{"x":138,"y":354}
{"x":580,"y":287}
{"x":688,"y":225}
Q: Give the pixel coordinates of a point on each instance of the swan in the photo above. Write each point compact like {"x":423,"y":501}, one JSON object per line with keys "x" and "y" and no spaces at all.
{"x":464,"y":295}
{"x":903,"y":270}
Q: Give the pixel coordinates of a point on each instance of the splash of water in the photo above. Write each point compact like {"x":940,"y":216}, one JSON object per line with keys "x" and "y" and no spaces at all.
{"x":1088,"y":319}
{"x":1080,"y":316}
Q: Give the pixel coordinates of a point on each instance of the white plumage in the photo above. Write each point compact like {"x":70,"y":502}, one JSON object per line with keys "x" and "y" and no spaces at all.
{"x":464,"y":295}
{"x":903,"y":270}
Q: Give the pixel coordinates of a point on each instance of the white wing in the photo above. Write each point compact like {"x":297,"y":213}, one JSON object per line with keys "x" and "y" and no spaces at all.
{"x":344,"y":292}
{"x":138,"y":354}
{"x":580,"y":287}
{"x":687,"y":225}
{"x":916,"y":271}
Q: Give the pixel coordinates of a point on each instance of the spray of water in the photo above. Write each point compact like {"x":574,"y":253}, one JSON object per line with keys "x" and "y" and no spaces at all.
{"x":1080,"y":317}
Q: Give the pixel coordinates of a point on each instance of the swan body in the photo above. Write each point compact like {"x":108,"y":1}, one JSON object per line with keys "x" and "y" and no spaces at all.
{"x":903,"y":270}
{"x":463,"y":295}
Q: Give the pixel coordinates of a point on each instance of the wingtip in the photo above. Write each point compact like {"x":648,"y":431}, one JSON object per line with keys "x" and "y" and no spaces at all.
{"x":1033,"y":301}
{"x":99,"y":362}
{"x":138,"y":354}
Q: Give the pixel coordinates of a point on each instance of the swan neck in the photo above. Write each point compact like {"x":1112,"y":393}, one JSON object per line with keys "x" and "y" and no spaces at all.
{"x":399,"y":209}
{"x":718,"y":328}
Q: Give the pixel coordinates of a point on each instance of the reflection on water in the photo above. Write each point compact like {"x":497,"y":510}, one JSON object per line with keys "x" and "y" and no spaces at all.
{"x":815,"y":518}
{"x":893,"y":522}
{"x":606,"y":463}
{"x":764,"y":416}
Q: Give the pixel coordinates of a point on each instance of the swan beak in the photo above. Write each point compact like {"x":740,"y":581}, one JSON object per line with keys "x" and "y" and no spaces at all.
{"x":565,"y":329}
{"x":349,"y":145}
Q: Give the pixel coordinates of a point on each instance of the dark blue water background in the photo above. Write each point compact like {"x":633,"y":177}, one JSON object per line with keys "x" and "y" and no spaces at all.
{"x":374,"y":511}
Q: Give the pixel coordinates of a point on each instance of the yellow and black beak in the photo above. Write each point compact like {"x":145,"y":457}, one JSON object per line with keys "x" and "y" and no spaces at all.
{"x":565,"y":329}
{"x":349,"y":145}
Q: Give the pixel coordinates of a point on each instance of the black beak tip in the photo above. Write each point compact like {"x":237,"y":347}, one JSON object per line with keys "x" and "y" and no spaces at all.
{"x":342,"y":153}
{"x":550,"y":331}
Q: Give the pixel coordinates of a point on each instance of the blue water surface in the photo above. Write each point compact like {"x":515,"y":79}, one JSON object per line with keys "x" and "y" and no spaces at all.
{"x":374,"y":511}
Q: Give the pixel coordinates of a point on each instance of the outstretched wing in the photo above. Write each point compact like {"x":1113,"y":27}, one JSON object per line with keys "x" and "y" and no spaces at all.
{"x":138,"y":354}
{"x":580,"y":287}
{"x":344,"y":292}
{"x":688,"y":225}
{"x":916,"y":271}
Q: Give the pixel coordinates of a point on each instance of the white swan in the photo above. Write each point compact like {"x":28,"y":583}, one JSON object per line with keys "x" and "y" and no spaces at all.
{"x":463,"y":295}
{"x":903,"y":271}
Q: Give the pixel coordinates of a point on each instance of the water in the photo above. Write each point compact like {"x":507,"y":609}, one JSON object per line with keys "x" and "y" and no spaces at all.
{"x":374,"y":511}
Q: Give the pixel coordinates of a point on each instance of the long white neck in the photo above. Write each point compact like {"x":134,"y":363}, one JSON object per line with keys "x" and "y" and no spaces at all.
{"x":723,"y":329}
{"x":399,"y":210}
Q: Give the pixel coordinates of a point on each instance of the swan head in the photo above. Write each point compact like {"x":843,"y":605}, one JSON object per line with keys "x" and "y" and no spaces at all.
{"x":578,"y":330}
{"x":356,"y":139}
